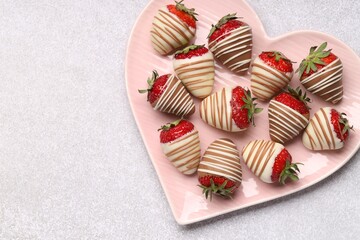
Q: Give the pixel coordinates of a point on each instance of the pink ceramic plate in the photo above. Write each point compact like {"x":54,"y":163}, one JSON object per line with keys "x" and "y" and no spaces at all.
{"x":184,"y":196}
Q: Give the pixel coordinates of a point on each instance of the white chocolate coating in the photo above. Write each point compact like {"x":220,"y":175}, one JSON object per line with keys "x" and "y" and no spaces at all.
{"x":197,"y":74}
{"x":327,"y":83}
{"x":267,"y":81}
{"x":284,"y":122}
{"x":221,"y":158}
{"x":259,"y":156}
{"x":234,"y":51}
{"x":320,"y":133}
{"x":215,"y":110}
{"x":184,"y":152}
{"x":169,"y":33}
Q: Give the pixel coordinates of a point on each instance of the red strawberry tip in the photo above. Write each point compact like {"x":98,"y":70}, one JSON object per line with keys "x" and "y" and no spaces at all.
{"x":297,"y":93}
{"x":150,"y":82}
{"x":209,"y":187}
{"x":181,"y":7}
{"x":277,"y":60}
{"x":190,"y":51}
{"x":278,"y":55}
{"x":251,"y":106}
{"x":189,"y":48}
{"x":314,"y":60}
{"x":175,"y":130}
{"x":341,"y":125}
{"x":221,"y":22}
{"x":170,"y":125}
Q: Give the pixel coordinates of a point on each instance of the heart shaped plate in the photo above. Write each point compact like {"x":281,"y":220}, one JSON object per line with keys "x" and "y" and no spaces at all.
{"x":184,"y":196}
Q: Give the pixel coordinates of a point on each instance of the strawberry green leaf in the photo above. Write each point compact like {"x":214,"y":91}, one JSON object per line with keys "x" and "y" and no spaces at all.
{"x":322,"y":47}
{"x":189,"y":48}
{"x":312,"y":66}
{"x":191,"y":11}
{"x":298,"y":94}
{"x":324,"y":54}
{"x":312,"y":50}
{"x":316,"y":54}
{"x":143,"y":90}
{"x":290,"y":171}
{"x":251,"y":106}
{"x":170,"y":125}
{"x":217,"y":190}
{"x":150,"y":82}
{"x":343,"y":120}
{"x":318,"y":61}
{"x":308,"y":67}
{"x":221,"y":22}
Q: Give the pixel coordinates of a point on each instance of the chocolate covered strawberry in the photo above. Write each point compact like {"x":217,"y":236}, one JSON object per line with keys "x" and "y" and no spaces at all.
{"x":270,"y":161}
{"x":194,"y":66}
{"x":167,"y":94}
{"x":288,"y":115}
{"x":327,"y":130}
{"x":321,"y":74}
{"x":219,"y":170}
{"x":230,"y":40}
{"x":173,"y":27}
{"x":230,"y":109}
{"x":271,"y":72}
{"x":180,"y":143}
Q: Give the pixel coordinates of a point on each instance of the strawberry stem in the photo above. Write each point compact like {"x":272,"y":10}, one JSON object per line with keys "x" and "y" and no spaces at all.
{"x":290,"y":171}
{"x":189,"y":48}
{"x":343,"y":120}
{"x":181,"y":7}
{"x":297,"y":93}
{"x":278,"y":55}
{"x":315,"y":57}
{"x":217,"y":190}
{"x":251,"y":106}
{"x":221,"y":22}
{"x":170,"y":125}
{"x":150,"y":82}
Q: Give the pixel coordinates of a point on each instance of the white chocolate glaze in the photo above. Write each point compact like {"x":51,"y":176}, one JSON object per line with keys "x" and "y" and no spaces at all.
{"x":320,"y":133}
{"x":184,"y":152}
{"x":169,"y":33}
{"x":221,"y":158}
{"x":215,"y":110}
{"x":232,"y":51}
{"x":327,"y":83}
{"x":197,"y":74}
{"x":259,"y":156}
{"x":284,"y":122}
{"x":267,"y":81}
{"x":175,"y":99}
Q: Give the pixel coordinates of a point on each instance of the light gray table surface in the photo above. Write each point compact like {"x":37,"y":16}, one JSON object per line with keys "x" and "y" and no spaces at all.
{"x":72,"y":162}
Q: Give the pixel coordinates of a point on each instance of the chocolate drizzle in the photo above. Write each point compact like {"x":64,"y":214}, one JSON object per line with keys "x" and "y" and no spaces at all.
{"x":234,"y":51}
{"x":327,"y":83}
{"x":169,"y":33}
{"x":215,"y":110}
{"x":197,"y":74}
{"x":259,"y":156}
{"x":184,"y":153}
{"x":221,"y":159}
{"x":266,"y":81}
{"x":284,"y":122}
{"x":175,"y":99}
{"x":320,"y":134}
